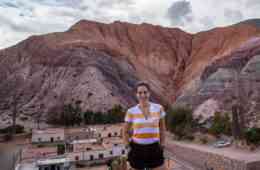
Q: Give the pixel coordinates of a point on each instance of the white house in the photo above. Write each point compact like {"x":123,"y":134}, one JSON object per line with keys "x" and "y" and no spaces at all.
{"x":110,"y":131}
{"x":55,"y":164}
{"x":48,"y":135}
{"x":98,"y":152}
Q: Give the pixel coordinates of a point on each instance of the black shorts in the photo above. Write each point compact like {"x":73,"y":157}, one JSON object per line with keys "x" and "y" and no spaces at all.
{"x":143,"y":156}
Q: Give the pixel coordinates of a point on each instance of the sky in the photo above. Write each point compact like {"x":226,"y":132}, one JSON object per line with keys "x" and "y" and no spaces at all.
{"x":20,"y":19}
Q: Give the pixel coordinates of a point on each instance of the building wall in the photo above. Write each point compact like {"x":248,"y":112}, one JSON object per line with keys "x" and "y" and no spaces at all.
{"x":111,"y":132}
{"x":81,"y":146}
{"x":79,"y":135}
{"x":86,"y":155}
{"x":45,"y":137}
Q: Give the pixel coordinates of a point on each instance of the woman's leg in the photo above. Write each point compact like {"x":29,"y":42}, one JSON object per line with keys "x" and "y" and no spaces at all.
{"x":135,"y":169}
{"x":162,"y":167}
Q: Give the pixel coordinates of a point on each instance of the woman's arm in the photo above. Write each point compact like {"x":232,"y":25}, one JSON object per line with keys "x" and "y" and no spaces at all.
{"x":126,"y":132}
{"x":162,"y":131}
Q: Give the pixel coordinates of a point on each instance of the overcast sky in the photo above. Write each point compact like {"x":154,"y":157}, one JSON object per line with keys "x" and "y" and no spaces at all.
{"x":22,"y":18}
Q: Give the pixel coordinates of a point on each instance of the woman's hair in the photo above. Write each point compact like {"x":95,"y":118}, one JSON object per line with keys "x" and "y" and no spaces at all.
{"x":142,"y":83}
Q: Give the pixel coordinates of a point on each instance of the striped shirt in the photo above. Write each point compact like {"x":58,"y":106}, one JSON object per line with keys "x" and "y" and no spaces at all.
{"x":145,"y":131}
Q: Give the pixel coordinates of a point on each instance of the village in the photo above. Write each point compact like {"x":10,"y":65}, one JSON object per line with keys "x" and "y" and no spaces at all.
{"x":94,"y":147}
{"x":72,"y":148}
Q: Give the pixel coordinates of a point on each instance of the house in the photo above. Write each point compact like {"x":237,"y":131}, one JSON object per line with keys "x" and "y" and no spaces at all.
{"x":72,"y":134}
{"x":108,"y":131}
{"x":30,"y":153}
{"x":55,"y":164}
{"x":80,"y":145}
{"x":48,"y":135}
{"x":109,"y":148}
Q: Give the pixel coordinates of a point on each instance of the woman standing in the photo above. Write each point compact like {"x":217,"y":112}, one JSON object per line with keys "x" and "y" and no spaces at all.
{"x":144,"y":131}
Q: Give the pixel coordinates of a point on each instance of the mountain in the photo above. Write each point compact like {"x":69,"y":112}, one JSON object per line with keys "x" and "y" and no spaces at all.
{"x":98,"y":64}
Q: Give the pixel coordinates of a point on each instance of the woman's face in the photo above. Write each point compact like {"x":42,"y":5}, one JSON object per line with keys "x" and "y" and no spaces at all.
{"x":142,"y":94}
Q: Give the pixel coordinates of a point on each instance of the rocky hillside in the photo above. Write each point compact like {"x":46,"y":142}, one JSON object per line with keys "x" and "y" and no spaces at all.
{"x":98,"y":64}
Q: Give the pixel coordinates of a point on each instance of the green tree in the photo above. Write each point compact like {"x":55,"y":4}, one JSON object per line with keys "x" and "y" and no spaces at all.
{"x":179,"y":121}
{"x":252,"y":135}
{"x":61,"y":149}
{"x":69,"y":115}
{"x":116,"y":114}
{"x":87,"y":117}
{"x":221,"y":124}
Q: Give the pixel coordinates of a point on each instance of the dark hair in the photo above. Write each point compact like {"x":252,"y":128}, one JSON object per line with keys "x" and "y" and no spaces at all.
{"x":142,"y":83}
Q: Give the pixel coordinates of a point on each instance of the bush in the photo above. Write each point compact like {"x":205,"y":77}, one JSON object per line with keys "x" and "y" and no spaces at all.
{"x":61,"y":149}
{"x":18,"y":129}
{"x":69,"y":116}
{"x":118,"y":163}
{"x":114,"y":115}
{"x":221,"y":124}
{"x":7,"y":137}
{"x":40,"y":146}
{"x":252,"y":136}
{"x":72,"y":114}
{"x":180,"y":122}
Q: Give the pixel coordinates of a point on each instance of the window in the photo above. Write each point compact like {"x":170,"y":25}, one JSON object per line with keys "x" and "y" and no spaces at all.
{"x":123,"y":152}
{"x":87,"y":149}
{"x":109,"y":134}
{"x":101,"y":156}
{"x":111,"y":152}
{"x":91,"y":157}
{"x":53,"y":167}
{"x":115,"y":133}
{"x":39,"y":139}
{"x":76,"y":158}
{"x":115,"y":144}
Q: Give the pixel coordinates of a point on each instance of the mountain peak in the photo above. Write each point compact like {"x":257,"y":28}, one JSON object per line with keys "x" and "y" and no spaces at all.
{"x":254,"y":22}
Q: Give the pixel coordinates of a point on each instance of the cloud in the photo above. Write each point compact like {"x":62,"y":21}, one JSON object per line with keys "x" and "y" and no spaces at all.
{"x":252,"y":3}
{"x":179,"y":12}
{"x":22,"y":18}
{"x":207,"y":22}
{"x":233,"y":15}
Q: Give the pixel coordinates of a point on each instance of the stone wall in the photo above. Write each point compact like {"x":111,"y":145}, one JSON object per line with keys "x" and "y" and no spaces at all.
{"x":202,"y":160}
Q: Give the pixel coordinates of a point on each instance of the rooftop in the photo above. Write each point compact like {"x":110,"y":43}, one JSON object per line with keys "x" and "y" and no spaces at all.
{"x":52,"y":161}
{"x":48,"y":131}
{"x":33,"y":152}
{"x":110,"y":142}
{"x":84,"y":141}
{"x":79,"y":130}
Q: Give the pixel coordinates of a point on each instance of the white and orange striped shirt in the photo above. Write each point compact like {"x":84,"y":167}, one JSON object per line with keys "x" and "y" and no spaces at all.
{"x":145,"y":131}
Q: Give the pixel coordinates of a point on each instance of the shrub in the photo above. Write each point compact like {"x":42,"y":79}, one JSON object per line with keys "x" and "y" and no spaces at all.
{"x":221,"y":124}
{"x":114,"y":115}
{"x":61,"y":149}
{"x":204,"y":140}
{"x":68,"y":116}
{"x":252,"y":135}
{"x":18,"y":129}
{"x":180,"y":121}
{"x":118,"y":163}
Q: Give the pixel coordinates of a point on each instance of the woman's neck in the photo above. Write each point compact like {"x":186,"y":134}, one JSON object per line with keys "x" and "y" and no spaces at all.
{"x":144,"y":104}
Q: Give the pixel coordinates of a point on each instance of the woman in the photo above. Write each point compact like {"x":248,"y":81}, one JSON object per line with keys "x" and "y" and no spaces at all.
{"x":144,"y":131}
